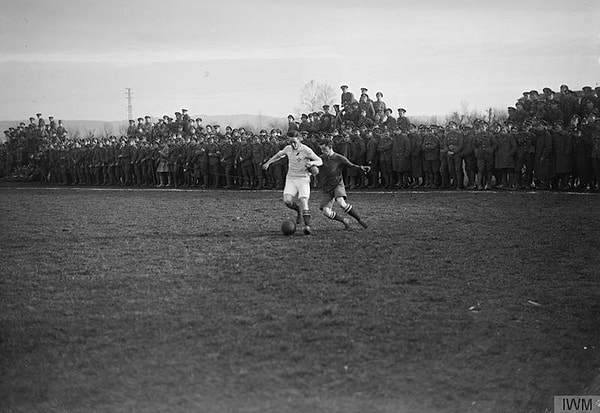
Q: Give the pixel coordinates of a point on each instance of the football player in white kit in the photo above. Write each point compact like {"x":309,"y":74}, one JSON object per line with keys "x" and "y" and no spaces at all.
{"x":297,"y":181}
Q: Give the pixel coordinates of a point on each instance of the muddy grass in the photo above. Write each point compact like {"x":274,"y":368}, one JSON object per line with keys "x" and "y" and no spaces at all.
{"x":180,"y":301}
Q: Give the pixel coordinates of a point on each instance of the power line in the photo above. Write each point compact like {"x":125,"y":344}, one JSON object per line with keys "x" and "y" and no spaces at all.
{"x":129,"y":105}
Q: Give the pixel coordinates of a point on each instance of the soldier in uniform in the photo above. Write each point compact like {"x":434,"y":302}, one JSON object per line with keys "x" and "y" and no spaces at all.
{"x":292,"y":125}
{"x":401,"y":151}
{"x":379,"y":107}
{"x":562,"y":144}
{"x":347,"y":98}
{"x":228,"y":158}
{"x":385,"y":160}
{"x":455,"y":145}
{"x":372,"y":158}
{"x":504,"y":162}
{"x":402,"y":121}
{"x":431,"y":157}
{"x":568,"y":104}
{"x":484,"y":146}
{"x":131,"y":129}
{"x":366,"y":105}
{"x":388,"y":121}
{"x":416,"y":158}
{"x":444,"y":168}
{"x":258,"y":158}
{"x":582,"y":136}
{"x":544,"y":168}
{"x":214,"y":160}
{"x":327,"y":120}
{"x":592,"y":129}
{"x":304,"y":123}
{"x":244,"y":156}
{"x":525,"y":156}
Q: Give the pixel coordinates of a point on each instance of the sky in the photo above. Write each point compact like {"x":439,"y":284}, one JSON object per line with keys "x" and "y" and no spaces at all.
{"x":74,"y":59}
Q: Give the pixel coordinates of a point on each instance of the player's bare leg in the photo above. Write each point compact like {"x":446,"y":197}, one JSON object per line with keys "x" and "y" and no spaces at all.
{"x":290,"y":202}
{"x":350,"y":210}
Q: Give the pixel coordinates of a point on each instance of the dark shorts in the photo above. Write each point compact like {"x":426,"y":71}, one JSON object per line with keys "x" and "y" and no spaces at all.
{"x":331,"y":194}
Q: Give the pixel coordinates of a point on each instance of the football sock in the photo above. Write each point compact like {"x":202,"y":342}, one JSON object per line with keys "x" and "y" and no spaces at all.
{"x":306,"y":216}
{"x":352,"y":212}
{"x":334,"y":216}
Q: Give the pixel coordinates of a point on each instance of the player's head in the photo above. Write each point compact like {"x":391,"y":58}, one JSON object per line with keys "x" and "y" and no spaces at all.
{"x":326,"y":146}
{"x":294,"y":139}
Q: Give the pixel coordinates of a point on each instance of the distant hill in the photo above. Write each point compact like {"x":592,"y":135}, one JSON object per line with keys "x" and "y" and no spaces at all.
{"x":99,"y":127}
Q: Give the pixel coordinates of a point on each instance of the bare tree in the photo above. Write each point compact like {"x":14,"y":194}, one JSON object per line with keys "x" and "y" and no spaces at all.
{"x":107,"y":130}
{"x":314,"y":95}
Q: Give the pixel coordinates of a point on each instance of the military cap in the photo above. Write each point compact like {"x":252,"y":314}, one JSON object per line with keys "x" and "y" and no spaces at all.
{"x":38,"y":114}
{"x":344,"y":87}
{"x":263,"y":131}
{"x":32,"y":118}
{"x":587,"y":88}
{"x":184,"y":110}
{"x":140,"y":119}
{"x":165,"y":117}
{"x":177,"y":113}
{"x":547,"y":90}
{"x":388,"y":110}
{"x":511,"y":109}
{"x":290,"y":117}
{"x":22,"y":124}
{"x":50,"y":117}
{"x":526,"y":93}
{"x":364,"y":89}
{"x":198,"y":119}
{"x":401,"y":110}
{"x":533,"y":92}
{"x":379,"y":94}
{"x":131,"y":121}
{"x":147,"y":117}
{"x":304,"y":116}
{"x":325,"y":106}
{"x":216,"y":126}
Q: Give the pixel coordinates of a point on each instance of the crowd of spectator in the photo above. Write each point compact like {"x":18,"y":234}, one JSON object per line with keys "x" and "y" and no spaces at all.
{"x":548,"y":141}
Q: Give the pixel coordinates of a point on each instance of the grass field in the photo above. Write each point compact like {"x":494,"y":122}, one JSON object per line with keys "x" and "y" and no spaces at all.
{"x":193,"y":301}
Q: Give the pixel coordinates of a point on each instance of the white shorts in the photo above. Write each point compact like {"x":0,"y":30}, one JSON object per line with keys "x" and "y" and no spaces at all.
{"x":299,"y":187}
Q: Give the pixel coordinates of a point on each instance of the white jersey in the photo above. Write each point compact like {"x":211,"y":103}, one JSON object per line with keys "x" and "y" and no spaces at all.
{"x":297,"y":160}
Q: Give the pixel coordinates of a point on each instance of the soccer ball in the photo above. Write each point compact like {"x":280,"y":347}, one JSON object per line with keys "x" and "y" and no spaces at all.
{"x":288,"y":227}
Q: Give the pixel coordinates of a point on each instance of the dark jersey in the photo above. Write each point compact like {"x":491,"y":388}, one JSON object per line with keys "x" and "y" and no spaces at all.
{"x":331,"y":170}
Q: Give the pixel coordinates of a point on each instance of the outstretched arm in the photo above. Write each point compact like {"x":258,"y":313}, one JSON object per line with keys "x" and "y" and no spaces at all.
{"x":279,"y":155}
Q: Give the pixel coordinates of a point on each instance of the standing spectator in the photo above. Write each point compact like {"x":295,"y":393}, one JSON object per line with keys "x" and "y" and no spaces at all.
{"x":562,"y":144}
{"x":504,"y":161}
{"x":455,"y":143}
{"x":401,"y":151}
{"x":543,"y":169}
{"x":379,"y":107}
{"x":583,"y":144}
{"x":431,"y":157}
{"x":416,"y":158}
{"x":484,"y":145}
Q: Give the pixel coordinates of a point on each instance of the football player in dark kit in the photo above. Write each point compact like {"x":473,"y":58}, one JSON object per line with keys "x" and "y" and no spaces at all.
{"x":334,"y":190}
